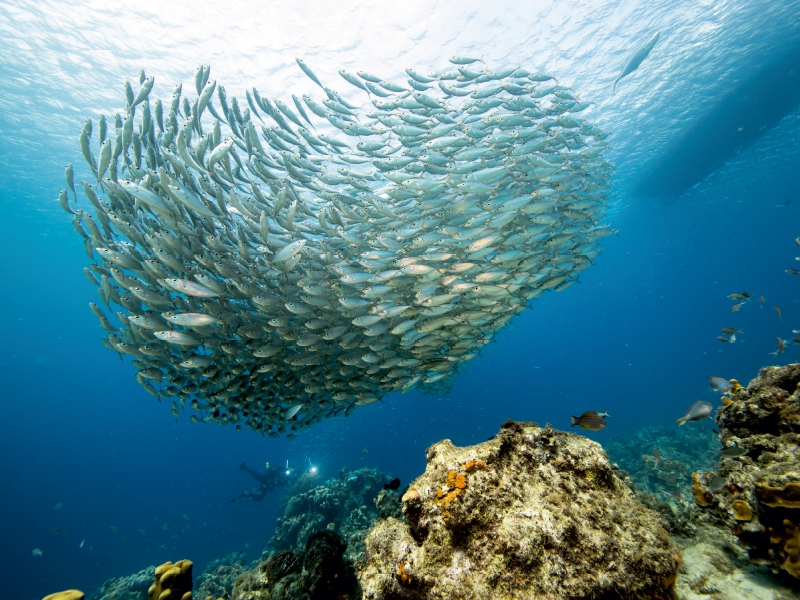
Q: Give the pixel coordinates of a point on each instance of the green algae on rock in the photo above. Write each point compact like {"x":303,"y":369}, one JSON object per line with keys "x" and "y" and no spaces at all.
{"x":544,"y":517}
{"x":764,"y":419}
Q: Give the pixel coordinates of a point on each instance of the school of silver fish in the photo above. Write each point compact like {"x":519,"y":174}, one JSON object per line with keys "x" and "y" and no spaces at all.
{"x":273,"y":265}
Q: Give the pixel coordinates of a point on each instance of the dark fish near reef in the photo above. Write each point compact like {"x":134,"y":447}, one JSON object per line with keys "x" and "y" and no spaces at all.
{"x":721,"y":385}
{"x":716,"y":483}
{"x":723,"y":339}
{"x":732,"y":452}
{"x":731,"y":331}
{"x":699,"y":410}
{"x":589,"y":420}
{"x":736,"y":307}
{"x":793,"y":271}
{"x":778,"y":312}
{"x":656,"y":459}
{"x":394,"y":484}
{"x":761,"y":300}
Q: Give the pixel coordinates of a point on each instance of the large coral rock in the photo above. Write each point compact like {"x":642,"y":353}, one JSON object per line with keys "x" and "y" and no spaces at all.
{"x":761,"y":501}
{"x":531,"y":513}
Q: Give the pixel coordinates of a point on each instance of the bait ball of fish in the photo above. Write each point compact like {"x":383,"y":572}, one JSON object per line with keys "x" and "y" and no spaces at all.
{"x":277,"y":264}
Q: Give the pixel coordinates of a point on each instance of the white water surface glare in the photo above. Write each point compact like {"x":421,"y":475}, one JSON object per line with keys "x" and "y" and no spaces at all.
{"x":63,"y":61}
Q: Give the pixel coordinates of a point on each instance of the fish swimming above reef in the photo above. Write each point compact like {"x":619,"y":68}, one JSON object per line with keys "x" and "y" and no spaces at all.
{"x":273,"y":273}
{"x":697,"y":412}
{"x":720,"y":384}
{"x":590,"y":420}
{"x":636,"y":59}
{"x":781,"y":347}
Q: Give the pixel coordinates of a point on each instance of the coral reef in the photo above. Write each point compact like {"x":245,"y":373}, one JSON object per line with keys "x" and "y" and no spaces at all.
{"x":681,"y":451}
{"x":544,"y":517}
{"x":65,"y":595}
{"x":320,"y":572}
{"x":220,"y":575}
{"x":760,"y":501}
{"x":345,"y":505}
{"x":130,"y":587}
{"x":172,"y":581}
{"x":663,"y":481}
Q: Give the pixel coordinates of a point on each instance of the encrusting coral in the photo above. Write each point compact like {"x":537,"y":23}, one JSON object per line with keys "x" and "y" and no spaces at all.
{"x":65,"y":595}
{"x":764,"y":420}
{"x":172,"y":581}
{"x":543,"y":517}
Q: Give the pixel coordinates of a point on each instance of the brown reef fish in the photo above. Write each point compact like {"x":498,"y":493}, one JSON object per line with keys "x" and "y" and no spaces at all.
{"x":589,"y":420}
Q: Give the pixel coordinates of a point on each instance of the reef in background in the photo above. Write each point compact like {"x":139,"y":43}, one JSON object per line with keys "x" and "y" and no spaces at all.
{"x":130,"y":587}
{"x":349,"y":505}
{"x":533,"y":512}
{"x":219,"y":576}
{"x":760,"y":501}
{"x":663,"y":482}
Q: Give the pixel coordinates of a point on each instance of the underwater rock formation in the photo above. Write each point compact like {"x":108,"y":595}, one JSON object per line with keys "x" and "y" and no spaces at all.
{"x":172,"y":581}
{"x":130,"y":587}
{"x":344,"y":505}
{"x":320,"y":572}
{"x":531,"y":513}
{"x":760,"y":501}
{"x":219,"y":576}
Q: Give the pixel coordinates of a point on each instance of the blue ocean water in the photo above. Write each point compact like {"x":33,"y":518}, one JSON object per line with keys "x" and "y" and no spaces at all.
{"x":100,"y":477}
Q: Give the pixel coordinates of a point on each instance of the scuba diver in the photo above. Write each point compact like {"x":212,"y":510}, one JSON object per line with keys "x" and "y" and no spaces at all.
{"x":270,"y":480}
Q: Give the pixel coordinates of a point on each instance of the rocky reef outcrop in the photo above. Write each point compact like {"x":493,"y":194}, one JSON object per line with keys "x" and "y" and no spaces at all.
{"x":345,"y":504}
{"x":760,"y":500}
{"x":130,"y":587}
{"x":532,"y":513}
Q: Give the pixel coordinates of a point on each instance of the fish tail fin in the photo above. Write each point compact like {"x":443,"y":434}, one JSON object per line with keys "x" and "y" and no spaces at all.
{"x":681,"y":421}
{"x":573,"y":421}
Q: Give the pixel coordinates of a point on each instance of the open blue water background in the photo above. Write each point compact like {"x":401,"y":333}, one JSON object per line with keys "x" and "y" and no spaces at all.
{"x":84,"y":450}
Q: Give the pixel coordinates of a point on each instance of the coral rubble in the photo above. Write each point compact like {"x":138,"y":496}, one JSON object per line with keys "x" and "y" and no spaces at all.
{"x":347,"y":505}
{"x":760,"y":501}
{"x":544,"y":517}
